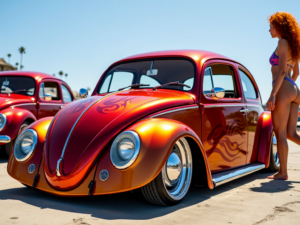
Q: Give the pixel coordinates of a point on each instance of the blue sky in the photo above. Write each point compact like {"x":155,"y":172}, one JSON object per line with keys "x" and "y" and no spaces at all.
{"x":82,"y":38}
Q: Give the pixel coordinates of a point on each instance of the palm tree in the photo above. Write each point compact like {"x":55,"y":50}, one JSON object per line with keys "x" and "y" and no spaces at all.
{"x":17,"y":65}
{"x":22,"y":51}
{"x":61,"y":73}
{"x":54,"y":75}
{"x":21,"y":67}
{"x":8,"y":55}
{"x":88,"y":88}
{"x":66,"y":75}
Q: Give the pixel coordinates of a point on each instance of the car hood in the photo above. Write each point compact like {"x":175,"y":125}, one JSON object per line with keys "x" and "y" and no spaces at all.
{"x":7,"y":101}
{"x":82,"y":129}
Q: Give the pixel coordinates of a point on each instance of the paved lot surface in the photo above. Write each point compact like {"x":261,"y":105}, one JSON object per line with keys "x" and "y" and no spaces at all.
{"x":249,"y":200}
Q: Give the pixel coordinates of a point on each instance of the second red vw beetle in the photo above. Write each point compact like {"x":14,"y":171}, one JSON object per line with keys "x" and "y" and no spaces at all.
{"x":26,"y":97}
{"x":157,"y":121}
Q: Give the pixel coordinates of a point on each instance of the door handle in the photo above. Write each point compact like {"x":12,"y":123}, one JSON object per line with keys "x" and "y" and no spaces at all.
{"x":244,"y":110}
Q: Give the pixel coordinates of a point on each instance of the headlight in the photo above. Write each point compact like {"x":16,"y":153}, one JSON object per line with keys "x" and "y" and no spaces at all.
{"x":2,"y":121}
{"x":25,"y":145}
{"x":125,"y":149}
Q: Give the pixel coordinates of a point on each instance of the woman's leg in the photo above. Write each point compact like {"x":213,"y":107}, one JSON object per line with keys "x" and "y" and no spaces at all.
{"x":292,"y":122}
{"x":280,"y":118}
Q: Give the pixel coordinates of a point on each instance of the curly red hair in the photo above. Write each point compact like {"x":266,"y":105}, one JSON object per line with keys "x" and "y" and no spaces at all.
{"x":288,"y":28}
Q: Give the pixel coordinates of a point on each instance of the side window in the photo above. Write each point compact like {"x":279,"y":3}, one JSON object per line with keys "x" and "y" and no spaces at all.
{"x":149,"y":80}
{"x":66,"y":94}
{"x":248,"y":87}
{"x":207,"y":81}
{"x":49,"y":88}
{"x":115,"y":81}
{"x":220,"y":76}
{"x":189,"y":82}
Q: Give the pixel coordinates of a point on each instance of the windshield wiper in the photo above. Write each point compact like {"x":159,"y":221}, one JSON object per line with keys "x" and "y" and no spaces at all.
{"x":172,"y":84}
{"x":133,"y":86}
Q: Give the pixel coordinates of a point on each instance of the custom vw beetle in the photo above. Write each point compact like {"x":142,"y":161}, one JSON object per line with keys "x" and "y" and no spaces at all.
{"x":157,"y":121}
{"x":26,"y":97}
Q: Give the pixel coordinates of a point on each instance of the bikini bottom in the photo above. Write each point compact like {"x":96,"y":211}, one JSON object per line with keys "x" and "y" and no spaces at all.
{"x":288,"y":79}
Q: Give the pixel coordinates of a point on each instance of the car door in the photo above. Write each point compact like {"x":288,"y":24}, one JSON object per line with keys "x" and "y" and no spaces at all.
{"x":224,"y":125}
{"x":255,"y":109}
{"x":49,"y":106}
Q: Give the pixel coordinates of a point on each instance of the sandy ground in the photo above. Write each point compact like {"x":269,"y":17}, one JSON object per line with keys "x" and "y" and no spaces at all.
{"x":249,"y":200}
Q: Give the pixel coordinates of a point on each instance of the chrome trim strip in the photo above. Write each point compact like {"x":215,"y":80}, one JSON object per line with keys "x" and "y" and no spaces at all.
{"x":258,"y":106}
{"x":175,"y":110}
{"x":224,"y":177}
{"x":23,"y":104}
{"x":44,"y":103}
{"x":223,"y":105}
{"x":71,"y":131}
{"x":4,"y":139}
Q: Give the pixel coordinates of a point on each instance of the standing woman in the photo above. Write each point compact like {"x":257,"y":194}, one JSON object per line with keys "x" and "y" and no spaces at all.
{"x":285,"y":96}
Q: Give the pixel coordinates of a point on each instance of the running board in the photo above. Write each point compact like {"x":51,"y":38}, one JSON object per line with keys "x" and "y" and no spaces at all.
{"x":224,"y":177}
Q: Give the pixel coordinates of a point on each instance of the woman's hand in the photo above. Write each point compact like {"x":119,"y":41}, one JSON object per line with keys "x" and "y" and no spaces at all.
{"x":271,"y":103}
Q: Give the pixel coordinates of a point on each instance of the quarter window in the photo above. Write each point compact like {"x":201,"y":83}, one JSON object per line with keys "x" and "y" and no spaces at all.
{"x":66,"y":94}
{"x":115,"y":81}
{"x":248,"y":87}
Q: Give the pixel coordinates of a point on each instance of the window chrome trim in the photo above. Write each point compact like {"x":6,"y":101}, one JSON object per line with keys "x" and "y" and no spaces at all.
{"x":257,"y":106}
{"x":42,"y":103}
{"x":175,"y":110}
{"x":224,"y":105}
{"x":4,"y":121}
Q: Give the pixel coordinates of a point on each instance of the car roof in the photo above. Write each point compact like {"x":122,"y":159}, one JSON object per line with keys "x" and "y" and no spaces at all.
{"x":195,"y":55}
{"x":28,"y":74}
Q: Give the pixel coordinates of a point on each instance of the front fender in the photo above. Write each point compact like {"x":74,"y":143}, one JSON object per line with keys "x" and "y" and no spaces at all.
{"x":19,"y":170}
{"x":157,"y":138}
{"x":265,"y":138}
{"x":14,"y":119}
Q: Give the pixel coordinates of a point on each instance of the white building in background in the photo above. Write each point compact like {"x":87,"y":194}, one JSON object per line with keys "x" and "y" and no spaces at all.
{"x":4,"y":66}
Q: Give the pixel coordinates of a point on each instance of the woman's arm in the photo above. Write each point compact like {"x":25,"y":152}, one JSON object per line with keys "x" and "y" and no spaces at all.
{"x":282,"y":54}
{"x":295,"y":72}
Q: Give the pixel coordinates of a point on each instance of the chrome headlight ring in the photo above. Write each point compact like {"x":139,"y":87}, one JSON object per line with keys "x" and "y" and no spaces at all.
{"x":125,"y":149}
{"x":2,"y":121}
{"x":25,"y":145}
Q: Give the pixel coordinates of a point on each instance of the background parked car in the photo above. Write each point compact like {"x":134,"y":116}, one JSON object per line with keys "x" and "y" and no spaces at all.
{"x":26,"y":97}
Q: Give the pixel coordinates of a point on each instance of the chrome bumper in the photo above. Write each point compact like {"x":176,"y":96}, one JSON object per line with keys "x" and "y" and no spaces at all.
{"x":4,"y":139}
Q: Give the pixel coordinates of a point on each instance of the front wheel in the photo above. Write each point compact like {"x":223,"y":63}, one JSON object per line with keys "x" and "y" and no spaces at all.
{"x":173,"y":182}
{"x":9,"y":146}
{"x":274,"y":159}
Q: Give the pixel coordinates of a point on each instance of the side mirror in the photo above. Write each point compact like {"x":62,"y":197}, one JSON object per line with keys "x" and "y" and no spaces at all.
{"x":48,"y":97}
{"x":216,"y":93}
{"x":83,"y":93}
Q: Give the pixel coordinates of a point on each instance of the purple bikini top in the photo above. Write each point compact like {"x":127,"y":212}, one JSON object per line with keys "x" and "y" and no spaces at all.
{"x":275,"y":58}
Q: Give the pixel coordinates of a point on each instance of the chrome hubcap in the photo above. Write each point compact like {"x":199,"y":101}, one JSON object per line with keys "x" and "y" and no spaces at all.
{"x":177,"y":172}
{"x":275,"y":153}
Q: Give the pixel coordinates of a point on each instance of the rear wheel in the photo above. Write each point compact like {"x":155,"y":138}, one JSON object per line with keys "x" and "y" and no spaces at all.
{"x":173,"y":182}
{"x":9,"y":146}
{"x":274,"y":159}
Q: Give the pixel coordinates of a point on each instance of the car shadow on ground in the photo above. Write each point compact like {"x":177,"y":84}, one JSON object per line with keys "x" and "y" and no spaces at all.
{"x":131,"y":205}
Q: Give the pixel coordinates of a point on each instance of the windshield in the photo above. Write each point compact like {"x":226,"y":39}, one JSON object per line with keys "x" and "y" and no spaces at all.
{"x":17,"y":85}
{"x":152,"y":72}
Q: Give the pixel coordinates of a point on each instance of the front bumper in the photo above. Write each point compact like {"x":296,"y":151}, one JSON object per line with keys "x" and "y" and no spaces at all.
{"x":4,"y":139}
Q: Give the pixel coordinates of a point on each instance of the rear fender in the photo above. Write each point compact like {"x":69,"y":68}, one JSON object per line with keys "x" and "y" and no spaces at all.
{"x":265,"y":138}
{"x":14,"y":119}
{"x":157,"y":138}
{"x":19,"y":170}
